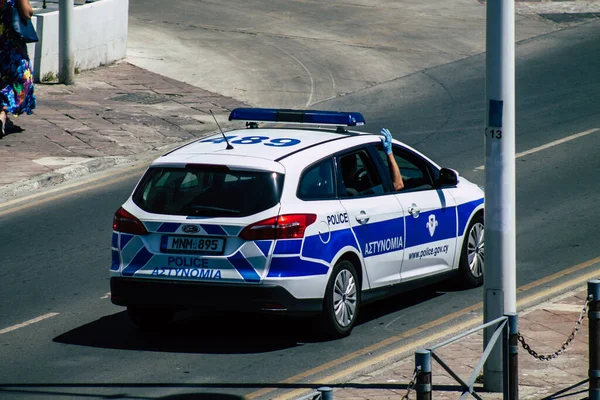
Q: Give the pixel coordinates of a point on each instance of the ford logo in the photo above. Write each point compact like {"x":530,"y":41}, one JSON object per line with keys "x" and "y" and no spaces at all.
{"x":190,"y":229}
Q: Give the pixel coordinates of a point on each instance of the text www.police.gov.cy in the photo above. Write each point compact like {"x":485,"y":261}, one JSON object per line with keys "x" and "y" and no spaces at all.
{"x":428,"y":251}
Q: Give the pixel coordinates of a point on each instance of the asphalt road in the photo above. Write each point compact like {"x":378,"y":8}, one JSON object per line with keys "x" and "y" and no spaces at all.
{"x":301,"y":52}
{"x":55,"y":256}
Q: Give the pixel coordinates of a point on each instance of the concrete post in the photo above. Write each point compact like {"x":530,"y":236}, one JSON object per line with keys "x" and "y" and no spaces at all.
{"x":594,"y":338}
{"x":66,"y":62}
{"x":500,"y":247}
{"x":423,"y":384}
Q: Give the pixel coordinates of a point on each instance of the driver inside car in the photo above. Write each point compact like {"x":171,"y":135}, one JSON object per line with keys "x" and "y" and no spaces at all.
{"x":350,"y":174}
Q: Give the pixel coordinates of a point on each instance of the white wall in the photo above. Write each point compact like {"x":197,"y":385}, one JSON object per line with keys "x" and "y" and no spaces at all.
{"x":99,"y":36}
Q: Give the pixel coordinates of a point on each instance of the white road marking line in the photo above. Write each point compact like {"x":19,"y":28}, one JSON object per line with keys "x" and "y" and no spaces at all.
{"x":106,"y":296}
{"x":395,"y":319}
{"x":548,"y":145}
{"x":312,"y":81}
{"x":30,"y":322}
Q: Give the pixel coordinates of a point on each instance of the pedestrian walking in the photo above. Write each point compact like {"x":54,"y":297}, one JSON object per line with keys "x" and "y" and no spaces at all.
{"x":16,"y":74}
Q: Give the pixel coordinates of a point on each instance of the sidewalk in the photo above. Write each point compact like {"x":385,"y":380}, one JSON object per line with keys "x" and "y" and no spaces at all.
{"x":113,"y":115}
{"x":545,"y":328}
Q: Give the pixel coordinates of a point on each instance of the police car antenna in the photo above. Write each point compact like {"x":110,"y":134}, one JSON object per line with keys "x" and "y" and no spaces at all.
{"x":229,"y":146}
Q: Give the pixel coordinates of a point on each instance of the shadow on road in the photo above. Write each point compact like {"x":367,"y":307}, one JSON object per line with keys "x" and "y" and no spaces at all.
{"x":193,"y":332}
{"x":225,"y":333}
{"x":402,"y":301}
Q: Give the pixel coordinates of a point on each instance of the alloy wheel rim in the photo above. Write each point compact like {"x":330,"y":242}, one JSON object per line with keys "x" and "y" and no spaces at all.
{"x":475,"y":250}
{"x":344,"y":298}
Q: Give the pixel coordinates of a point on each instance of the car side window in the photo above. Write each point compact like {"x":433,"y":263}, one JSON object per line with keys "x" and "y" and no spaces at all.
{"x":359,"y":175}
{"x":317,"y":182}
{"x":414,"y":170}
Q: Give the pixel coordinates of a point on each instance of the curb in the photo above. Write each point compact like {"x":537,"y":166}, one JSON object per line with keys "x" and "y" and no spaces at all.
{"x":80,"y":170}
{"x":61,"y":175}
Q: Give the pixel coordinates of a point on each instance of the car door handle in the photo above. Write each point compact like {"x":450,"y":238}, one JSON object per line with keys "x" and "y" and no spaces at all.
{"x":414,"y":210}
{"x":362,"y":217}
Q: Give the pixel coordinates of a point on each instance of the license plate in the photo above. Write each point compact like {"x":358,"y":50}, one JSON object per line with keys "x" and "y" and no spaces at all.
{"x":199,"y":244}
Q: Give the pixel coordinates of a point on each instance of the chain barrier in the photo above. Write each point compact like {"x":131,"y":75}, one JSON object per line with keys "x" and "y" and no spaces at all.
{"x":548,"y":357}
{"x":411,"y":384}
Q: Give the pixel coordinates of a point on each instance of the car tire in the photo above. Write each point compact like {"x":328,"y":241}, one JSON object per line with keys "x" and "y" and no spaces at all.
{"x":472,"y":255}
{"x":149,"y":317}
{"x":342,"y":300}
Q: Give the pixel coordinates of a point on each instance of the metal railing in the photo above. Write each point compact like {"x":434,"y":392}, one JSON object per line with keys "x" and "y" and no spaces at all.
{"x":508,"y":327}
{"x":504,"y":327}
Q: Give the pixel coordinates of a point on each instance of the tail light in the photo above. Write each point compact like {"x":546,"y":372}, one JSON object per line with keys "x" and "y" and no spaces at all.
{"x":290,"y":226}
{"x":124,"y":222}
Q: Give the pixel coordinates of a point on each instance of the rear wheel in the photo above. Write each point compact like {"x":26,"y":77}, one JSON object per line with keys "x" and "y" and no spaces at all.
{"x":472,"y":257}
{"x":342,"y":300}
{"x":149,"y":317}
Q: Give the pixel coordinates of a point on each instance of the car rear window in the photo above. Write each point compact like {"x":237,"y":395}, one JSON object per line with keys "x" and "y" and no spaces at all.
{"x":207,"y":190}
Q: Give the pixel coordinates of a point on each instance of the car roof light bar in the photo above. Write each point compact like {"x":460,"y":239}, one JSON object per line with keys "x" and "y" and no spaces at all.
{"x":314,"y":117}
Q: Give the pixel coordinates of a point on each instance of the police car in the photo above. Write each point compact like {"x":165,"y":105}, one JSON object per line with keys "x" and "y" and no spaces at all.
{"x":299,"y":217}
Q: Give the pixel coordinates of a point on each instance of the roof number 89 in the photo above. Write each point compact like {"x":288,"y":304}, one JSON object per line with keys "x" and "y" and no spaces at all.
{"x":275,"y":142}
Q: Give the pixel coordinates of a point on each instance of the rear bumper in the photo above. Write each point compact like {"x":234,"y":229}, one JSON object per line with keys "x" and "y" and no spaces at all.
{"x":217,"y":296}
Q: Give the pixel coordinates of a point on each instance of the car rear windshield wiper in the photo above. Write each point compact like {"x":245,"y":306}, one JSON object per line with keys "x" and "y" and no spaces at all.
{"x":213,"y":210}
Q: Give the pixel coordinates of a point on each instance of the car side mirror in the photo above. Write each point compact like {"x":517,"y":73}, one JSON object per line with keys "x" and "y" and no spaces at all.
{"x":448,"y":177}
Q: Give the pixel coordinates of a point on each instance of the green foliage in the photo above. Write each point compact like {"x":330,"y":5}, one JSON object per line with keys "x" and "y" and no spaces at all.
{"x":49,"y":77}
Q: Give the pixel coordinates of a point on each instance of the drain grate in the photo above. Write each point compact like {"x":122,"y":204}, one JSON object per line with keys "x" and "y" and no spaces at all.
{"x":144,"y":98}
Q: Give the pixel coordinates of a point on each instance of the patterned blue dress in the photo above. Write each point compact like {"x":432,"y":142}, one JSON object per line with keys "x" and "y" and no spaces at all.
{"x":16,"y":73}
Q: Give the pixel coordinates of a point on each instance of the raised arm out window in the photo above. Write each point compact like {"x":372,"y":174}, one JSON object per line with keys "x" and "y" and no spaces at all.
{"x":416,"y":172}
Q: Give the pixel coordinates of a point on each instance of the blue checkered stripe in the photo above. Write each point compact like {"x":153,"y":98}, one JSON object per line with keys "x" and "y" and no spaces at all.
{"x":464,"y":214}
{"x":310,"y":256}
{"x":116,"y":259}
{"x":132,"y":258}
{"x":314,"y":254}
{"x":250,"y":261}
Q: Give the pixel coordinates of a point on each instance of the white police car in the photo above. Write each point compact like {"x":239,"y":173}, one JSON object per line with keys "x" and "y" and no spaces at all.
{"x":291,"y":221}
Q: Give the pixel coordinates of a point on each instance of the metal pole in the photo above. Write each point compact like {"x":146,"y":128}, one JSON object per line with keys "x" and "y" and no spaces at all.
{"x":512,"y":371}
{"x":423,"y":386}
{"x":594,"y":338}
{"x":500,"y":249}
{"x":326,"y":393}
{"x":66,"y":64}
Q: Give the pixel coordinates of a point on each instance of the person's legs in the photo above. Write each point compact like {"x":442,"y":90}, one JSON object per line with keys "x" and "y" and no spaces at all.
{"x":3,"y":121}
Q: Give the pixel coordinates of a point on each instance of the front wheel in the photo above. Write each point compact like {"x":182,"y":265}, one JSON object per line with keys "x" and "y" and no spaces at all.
{"x":342,"y":300}
{"x":472,"y":256}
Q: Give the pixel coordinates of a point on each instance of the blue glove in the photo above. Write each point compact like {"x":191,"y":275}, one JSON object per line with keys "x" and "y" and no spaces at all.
{"x":386,"y":140}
